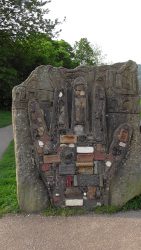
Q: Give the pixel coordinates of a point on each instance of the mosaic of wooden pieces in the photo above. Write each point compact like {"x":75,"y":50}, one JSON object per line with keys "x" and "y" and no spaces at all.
{"x":74,"y":161}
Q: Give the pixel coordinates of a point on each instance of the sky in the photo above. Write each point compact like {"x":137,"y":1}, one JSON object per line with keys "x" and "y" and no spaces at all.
{"x":113,"y":25}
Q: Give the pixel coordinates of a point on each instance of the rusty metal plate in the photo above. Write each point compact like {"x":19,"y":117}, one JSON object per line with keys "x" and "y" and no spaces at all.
{"x":99,"y":156}
{"x":68,"y":139}
{"x":51,"y":158}
{"x":91,"y":192}
{"x":85,"y":170}
{"x":85,"y":157}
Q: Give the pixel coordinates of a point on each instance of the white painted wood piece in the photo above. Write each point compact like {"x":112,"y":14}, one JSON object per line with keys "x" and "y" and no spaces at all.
{"x":85,"y":150}
{"x":73,"y":202}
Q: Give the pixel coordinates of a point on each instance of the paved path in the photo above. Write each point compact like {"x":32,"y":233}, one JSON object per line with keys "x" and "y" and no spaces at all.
{"x":6,"y":135}
{"x":121,"y":231}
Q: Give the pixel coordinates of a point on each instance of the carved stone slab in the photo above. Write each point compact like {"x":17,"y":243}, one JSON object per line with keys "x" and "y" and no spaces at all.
{"x":77,"y":136}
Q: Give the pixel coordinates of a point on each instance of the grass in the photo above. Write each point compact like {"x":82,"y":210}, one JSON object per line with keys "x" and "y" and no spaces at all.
{"x":107,"y":209}
{"x":51,"y":211}
{"x":134,"y":204}
{"x":8,"y":199}
{"x":5,"y":118}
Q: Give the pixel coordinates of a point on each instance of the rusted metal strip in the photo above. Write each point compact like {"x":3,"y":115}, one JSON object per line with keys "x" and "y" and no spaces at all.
{"x":51,"y":158}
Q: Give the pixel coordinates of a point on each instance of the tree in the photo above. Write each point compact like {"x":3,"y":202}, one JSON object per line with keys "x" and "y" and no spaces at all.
{"x":22,"y":22}
{"x":87,"y":54}
{"x":23,"y":17}
{"x":20,"y":56}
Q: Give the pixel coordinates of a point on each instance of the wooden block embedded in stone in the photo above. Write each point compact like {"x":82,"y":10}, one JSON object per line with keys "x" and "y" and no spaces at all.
{"x":39,"y":150}
{"x":100,"y":147}
{"x":85,"y":149}
{"x":88,"y":180}
{"x":68,"y":139}
{"x":99,"y":156}
{"x":73,"y":192}
{"x":84,"y":164}
{"x":45,"y":167}
{"x":66,"y":169}
{"x":51,"y":158}
{"x":85,"y":170}
{"x":85,"y":157}
{"x":91,"y":192}
{"x":73,"y":202}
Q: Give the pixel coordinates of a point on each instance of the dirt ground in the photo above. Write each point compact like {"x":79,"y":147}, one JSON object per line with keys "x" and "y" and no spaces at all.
{"x":121,"y":231}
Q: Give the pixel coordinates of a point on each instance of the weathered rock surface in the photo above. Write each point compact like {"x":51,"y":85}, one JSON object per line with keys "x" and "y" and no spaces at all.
{"x":109,"y":100}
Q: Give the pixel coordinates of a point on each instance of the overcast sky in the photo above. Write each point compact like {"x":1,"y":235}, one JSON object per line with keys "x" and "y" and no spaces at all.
{"x":114,"y":25}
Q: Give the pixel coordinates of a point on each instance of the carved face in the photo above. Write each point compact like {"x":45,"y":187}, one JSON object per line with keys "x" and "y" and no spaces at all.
{"x":80,"y":90}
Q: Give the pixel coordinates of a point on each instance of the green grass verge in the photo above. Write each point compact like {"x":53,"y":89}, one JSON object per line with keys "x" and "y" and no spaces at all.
{"x":134,"y":204}
{"x":51,"y":211}
{"x":107,"y":209}
{"x":5,"y":118}
{"x":8,"y":198}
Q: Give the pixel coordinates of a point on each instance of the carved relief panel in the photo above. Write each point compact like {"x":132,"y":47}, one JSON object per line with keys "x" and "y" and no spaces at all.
{"x":79,"y":144}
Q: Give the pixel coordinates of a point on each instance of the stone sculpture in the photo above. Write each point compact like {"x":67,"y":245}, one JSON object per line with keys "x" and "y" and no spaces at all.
{"x":77,"y":136}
